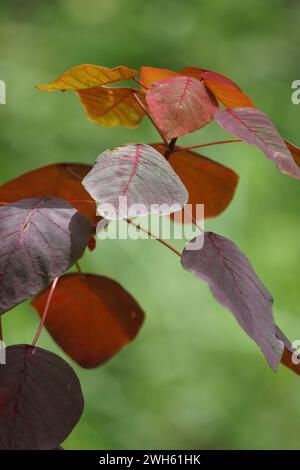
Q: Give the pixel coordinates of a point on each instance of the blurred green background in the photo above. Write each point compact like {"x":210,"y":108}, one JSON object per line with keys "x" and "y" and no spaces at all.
{"x":192,"y":378}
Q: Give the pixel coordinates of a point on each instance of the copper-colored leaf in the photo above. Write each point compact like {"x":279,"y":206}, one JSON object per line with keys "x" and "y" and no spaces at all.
{"x":180,"y":105}
{"x":295,"y":151}
{"x":91,"y":317}
{"x":149,"y":75}
{"x":112,"y":107}
{"x":288,"y":353}
{"x":87,"y":76}
{"x":61,"y":180}
{"x":208,"y":182}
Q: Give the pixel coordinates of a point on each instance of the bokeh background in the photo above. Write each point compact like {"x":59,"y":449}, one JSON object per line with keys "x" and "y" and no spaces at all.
{"x":192,"y":378}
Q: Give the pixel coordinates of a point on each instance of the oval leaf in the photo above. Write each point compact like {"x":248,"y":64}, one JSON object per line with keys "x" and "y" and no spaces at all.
{"x":87,"y":76}
{"x":139,"y":174}
{"x":235,"y":285}
{"x":62,"y":180}
{"x":208,"y":182}
{"x":255,"y":127}
{"x":149,"y":75}
{"x":112,"y":107}
{"x":91,"y":317}
{"x":41,"y":399}
{"x":180,"y":105}
{"x":39,"y":240}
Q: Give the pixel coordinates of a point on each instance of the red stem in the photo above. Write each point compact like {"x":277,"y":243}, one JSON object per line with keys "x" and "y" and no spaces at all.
{"x":140,"y":83}
{"x":217,"y":142}
{"x":139,"y":227}
{"x":150,"y":117}
{"x":1,"y":330}
{"x":45,"y":312}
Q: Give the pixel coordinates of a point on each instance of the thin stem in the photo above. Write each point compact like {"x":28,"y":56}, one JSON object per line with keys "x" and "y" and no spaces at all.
{"x":139,"y":227}
{"x":150,"y":117}
{"x":45,"y":312}
{"x":1,"y":330}
{"x":78,"y":267}
{"x":170,"y":148}
{"x":217,"y":142}
{"x":140,"y":83}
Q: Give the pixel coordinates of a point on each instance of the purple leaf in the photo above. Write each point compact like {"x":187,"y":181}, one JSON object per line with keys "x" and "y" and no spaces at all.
{"x":234,"y":284}
{"x":39,"y":240}
{"x":134,"y":180}
{"x":180,"y":105}
{"x":40,"y":397}
{"x":255,"y":127}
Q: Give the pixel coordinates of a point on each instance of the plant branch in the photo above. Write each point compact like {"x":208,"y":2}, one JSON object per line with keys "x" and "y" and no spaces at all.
{"x":139,"y":227}
{"x":217,"y":142}
{"x":170,"y":148}
{"x":150,"y":117}
{"x":1,"y":329}
{"x":140,"y":83}
{"x":45,"y":312}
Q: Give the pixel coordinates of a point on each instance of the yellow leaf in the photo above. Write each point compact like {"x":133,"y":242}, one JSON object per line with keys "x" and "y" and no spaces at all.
{"x":87,"y":76}
{"x":112,"y":107}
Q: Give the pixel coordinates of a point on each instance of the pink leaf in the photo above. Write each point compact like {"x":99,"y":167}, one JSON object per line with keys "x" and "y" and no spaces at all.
{"x":255,"y":127}
{"x":180,"y":105}
{"x":234,"y":284}
{"x":139,"y":173}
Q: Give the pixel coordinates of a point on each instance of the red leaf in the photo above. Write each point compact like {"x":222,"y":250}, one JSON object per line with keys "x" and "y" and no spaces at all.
{"x":180,"y":105}
{"x":39,"y":240}
{"x":141,"y":174}
{"x":208,"y":182}
{"x":41,"y":399}
{"x":235,"y":285}
{"x":255,"y":127}
{"x":91,"y":317}
{"x":62,"y":180}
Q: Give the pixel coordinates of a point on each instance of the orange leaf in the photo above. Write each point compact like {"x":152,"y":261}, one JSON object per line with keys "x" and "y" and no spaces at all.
{"x":87,"y":76}
{"x":61,"y":180}
{"x":149,"y":75}
{"x":295,"y":151}
{"x":112,"y":107}
{"x":208,"y":182}
{"x":91,"y":317}
{"x":226,"y":91}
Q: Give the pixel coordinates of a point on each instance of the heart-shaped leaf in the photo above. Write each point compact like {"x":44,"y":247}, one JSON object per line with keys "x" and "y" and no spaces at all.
{"x":88,"y":76}
{"x":255,"y":127}
{"x":112,"y":107}
{"x":227,"y":92}
{"x":180,"y":105}
{"x":235,"y":285}
{"x":41,"y":399}
{"x":138,"y":175}
{"x":39,"y":240}
{"x":208,"y":182}
{"x":62,"y":180}
{"x":91,"y":317}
